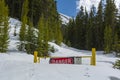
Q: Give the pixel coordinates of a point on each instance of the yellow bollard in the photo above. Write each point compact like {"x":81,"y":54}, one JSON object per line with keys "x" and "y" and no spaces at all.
{"x":93,"y":58}
{"x":35,"y":56}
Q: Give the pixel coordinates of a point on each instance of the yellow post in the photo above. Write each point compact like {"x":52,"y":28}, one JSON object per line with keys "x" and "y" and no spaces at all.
{"x":35,"y":56}
{"x":93,"y":58}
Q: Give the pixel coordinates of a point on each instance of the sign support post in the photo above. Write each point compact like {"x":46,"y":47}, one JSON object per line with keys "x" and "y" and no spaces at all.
{"x":35,"y":56}
{"x":93,"y":57}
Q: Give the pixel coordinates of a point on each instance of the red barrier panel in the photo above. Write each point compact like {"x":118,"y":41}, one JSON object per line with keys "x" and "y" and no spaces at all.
{"x":64,"y":60}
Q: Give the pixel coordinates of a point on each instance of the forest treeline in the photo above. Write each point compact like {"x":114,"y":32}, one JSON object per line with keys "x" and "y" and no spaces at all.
{"x":40,"y":25}
{"x":98,"y":28}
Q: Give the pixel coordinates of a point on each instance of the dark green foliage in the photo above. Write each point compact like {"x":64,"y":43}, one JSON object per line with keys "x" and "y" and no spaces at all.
{"x":69,"y":44}
{"x":52,"y":49}
{"x":110,"y":24}
{"x":24,"y":18}
{"x":4,"y":27}
{"x":80,"y":29}
{"x":31,"y":43}
{"x":95,"y":29}
{"x":58,"y":35}
{"x":42,"y":39}
{"x":110,"y":13}
{"x":36,"y":9}
{"x":70,"y":34}
{"x":15,"y":8}
{"x":117,"y":64}
{"x":108,"y":39}
{"x":90,"y":32}
{"x":99,"y":30}
{"x":116,"y":45}
{"x":116,"y":48}
{"x":39,"y":24}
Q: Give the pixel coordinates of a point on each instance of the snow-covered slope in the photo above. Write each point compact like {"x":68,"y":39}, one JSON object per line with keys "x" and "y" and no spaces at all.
{"x":15,"y":65}
{"x":14,"y":39}
{"x":89,"y":3}
{"x":64,"y":18}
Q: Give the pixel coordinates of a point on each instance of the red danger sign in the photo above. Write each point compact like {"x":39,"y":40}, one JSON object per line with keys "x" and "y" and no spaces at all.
{"x":65,"y":60}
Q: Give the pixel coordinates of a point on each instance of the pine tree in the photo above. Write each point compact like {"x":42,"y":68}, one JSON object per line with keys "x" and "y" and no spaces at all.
{"x":110,"y":21}
{"x":116,"y":45}
{"x":90,"y":33}
{"x":24,"y":19}
{"x":110,"y":13}
{"x":43,"y":37}
{"x":117,"y":64}
{"x":46,"y":38}
{"x":118,"y":23}
{"x":80,"y":33}
{"x":30,"y":45}
{"x":15,"y":8}
{"x":108,"y":39}
{"x":70,"y":32}
{"x":86,"y":25}
{"x":40,"y":39}
{"x":58,"y":34}
{"x":99,"y":28}
{"x":4,"y":33}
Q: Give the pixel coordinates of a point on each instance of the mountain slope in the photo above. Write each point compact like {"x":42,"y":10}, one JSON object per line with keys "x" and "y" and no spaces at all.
{"x":64,"y":18}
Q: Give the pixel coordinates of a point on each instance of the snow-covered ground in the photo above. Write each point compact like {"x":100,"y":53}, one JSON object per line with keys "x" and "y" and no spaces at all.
{"x":15,"y":65}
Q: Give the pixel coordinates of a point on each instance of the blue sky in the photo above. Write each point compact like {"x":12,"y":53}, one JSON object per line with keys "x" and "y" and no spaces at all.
{"x":67,"y":7}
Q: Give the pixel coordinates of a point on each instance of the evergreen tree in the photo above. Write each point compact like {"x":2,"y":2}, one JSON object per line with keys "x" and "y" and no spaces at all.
{"x":116,"y":37}
{"x":117,"y":64}
{"x":30,"y":45}
{"x":70,"y":33}
{"x":97,"y":30}
{"x":42,"y":39}
{"x":116,"y":45}
{"x":118,"y":24}
{"x":15,"y":8}
{"x":90,"y":35}
{"x":40,"y":36}
{"x":24,"y":18}
{"x":58,"y":34}
{"x":86,"y":25}
{"x":108,"y":39}
{"x":46,"y":38}
{"x":99,"y":27}
{"x":4,"y":33}
{"x":110,"y":13}
{"x":80,"y":33}
{"x":117,"y":27}
{"x":110,"y":21}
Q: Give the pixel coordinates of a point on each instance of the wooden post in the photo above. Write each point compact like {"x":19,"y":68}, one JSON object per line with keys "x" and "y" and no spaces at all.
{"x":35,"y":56}
{"x":93,"y":58}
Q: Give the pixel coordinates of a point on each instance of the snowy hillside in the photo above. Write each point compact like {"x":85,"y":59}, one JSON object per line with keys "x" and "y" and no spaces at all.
{"x":14,"y":39}
{"x":15,"y":65}
{"x":64,"y":18}
{"x":89,"y":3}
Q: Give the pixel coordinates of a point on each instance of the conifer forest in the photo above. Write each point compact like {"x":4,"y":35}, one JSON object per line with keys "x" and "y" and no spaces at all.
{"x":41,"y":24}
